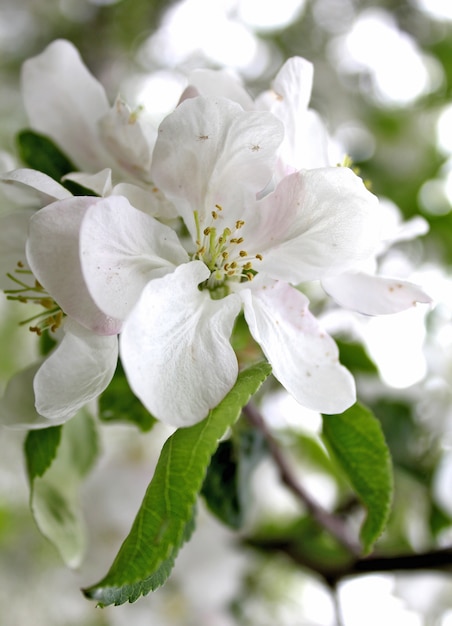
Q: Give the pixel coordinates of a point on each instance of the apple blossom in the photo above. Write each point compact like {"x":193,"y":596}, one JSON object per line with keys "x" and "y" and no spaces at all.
{"x":83,"y":362}
{"x":65,"y":102}
{"x":212,"y":160}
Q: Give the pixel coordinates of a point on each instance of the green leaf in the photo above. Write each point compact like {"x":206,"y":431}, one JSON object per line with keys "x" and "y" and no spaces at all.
{"x":356,"y":439}
{"x":165,"y":518}
{"x":40,"y":449}
{"x":226,"y":486}
{"x":354,"y":357}
{"x":119,"y":404}
{"x":56,"y":472}
{"x":40,"y":153}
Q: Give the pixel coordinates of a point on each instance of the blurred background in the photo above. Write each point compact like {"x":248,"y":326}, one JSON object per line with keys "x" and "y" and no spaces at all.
{"x":383,"y":84}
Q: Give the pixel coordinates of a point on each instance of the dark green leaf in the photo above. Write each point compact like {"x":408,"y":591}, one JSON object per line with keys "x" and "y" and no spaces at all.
{"x":354,"y":356}
{"x":165,"y":518}
{"x":119,"y":404}
{"x":226,"y":486}
{"x":40,"y":449}
{"x":40,"y":153}
{"x":356,"y":439}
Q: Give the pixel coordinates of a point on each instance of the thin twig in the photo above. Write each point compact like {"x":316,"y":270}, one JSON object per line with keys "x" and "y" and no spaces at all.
{"x":330,"y":522}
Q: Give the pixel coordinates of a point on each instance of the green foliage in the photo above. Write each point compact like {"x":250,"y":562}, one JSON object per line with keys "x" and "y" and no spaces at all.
{"x":165,"y":518}
{"x":119,"y":404}
{"x":355,"y":358}
{"x":225,"y":487}
{"x":41,"y":153}
{"x":40,"y":450}
{"x":58,"y":458}
{"x":356,"y":439}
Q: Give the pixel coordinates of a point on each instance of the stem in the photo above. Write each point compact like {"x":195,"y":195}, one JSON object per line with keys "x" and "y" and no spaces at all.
{"x":330,"y":522}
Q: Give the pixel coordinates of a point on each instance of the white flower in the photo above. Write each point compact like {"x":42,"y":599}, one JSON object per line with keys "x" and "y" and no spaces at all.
{"x":83,"y":362}
{"x":65,"y":102}
{"x":212,"y":160}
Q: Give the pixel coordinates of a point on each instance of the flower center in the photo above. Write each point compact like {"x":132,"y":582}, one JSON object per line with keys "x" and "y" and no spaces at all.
{"x":223,"y":251}
{"x":51,"y":317}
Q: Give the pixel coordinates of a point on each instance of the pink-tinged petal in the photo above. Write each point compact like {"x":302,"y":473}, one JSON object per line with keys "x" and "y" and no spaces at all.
{"x":48,"y":188}
{"x":121,"y":250}
{"x":175,"y":347}
{"x":220,"y":84}
{"x":53,"y":255}
{"x":210,"y":152}
{"x":303,"y":356}
{"x":325,"y":222}
{"x":64,"y":101}
{"x":76,"y":372}
{"x":373,"y":295}
{"x":13,"y":235}
{"x":17,"y":407}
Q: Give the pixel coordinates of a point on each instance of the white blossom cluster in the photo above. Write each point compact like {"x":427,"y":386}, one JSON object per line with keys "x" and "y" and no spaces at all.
{"x":229,"y":206}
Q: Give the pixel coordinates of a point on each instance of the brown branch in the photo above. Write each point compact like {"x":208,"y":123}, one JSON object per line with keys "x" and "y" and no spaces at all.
{"x":333,"y":524}
{"x":434,"y":560}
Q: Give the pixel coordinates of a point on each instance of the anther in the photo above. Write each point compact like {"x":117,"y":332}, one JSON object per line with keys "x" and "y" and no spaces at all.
{"x":243,"y":253}
{"x":214,"y":215}
{"x":239,"y":224}
{"x":259,"y":257}
{"x":225,"y":254}
{"x":219,"y":207}
{"x":207,"y":230}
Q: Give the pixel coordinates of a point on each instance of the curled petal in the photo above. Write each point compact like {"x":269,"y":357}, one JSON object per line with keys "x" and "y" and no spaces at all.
{"x":53,"y":255}
{"x":64,"y":101}
{"x":121,"y":250}
{"x":373,"y":295}
{"x":175,"y":347}
{"x":49,"y":189}
{"x":303,"y":356}
{"x":100,"y":182}
{"x":76,"y":372}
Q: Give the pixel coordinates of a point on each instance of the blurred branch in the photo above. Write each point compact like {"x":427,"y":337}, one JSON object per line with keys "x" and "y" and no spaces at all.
{"x":335,"y":525}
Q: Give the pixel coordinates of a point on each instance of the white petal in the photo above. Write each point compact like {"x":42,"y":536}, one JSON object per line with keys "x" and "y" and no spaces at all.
{"x":64,"y":101}
{"x":303,"y":356}
{"x":208,"y":152}
{"x":150,"y":201}
{"x":373,"y":295}
{"x":17,"y":407}
{"x":175,"y":347}
{"x":124,"y":136}
{"x":13,"y":235}
{"x":220,"y":83}
{"x":76,"y":372}
{"x":306,"y":140}
{"x":121,"y":250}
{"x":331,"y":222}
{"x":49,"y":188}
{"x":100,"y":183}
{"x":53,"y":255}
